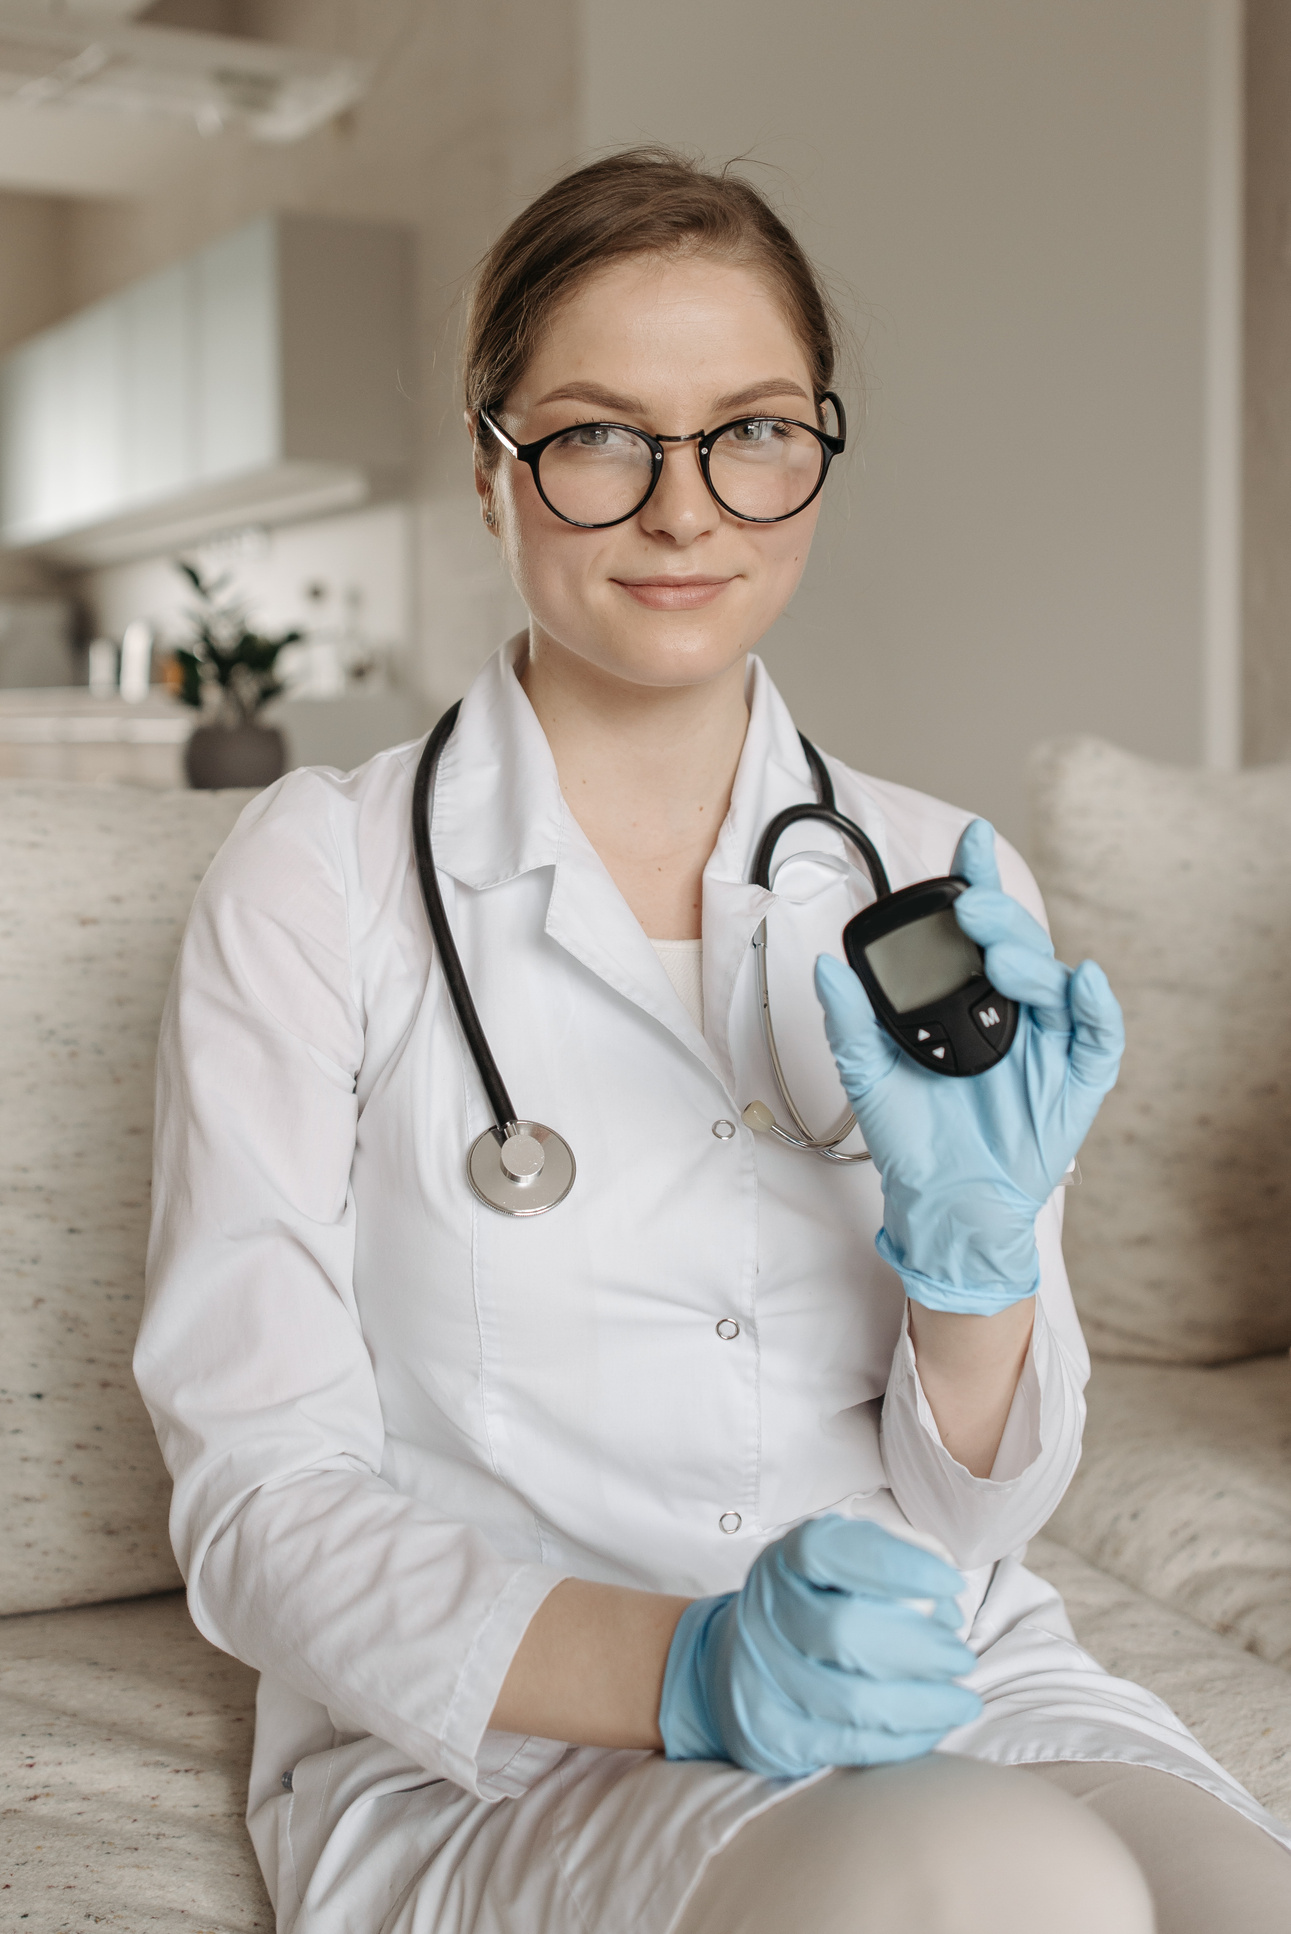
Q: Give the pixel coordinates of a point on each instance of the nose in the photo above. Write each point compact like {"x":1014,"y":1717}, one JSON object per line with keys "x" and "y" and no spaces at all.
{"x":681,"y":507}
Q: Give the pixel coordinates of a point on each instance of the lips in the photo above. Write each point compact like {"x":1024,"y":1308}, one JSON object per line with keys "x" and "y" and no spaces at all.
{"x":673,"y":593}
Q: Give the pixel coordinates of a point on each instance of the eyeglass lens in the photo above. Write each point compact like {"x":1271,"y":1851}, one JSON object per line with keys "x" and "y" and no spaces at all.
{"x":761,"y":468}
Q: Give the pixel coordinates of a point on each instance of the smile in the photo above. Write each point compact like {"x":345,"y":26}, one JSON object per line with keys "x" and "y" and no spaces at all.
{"x":673,"y":594}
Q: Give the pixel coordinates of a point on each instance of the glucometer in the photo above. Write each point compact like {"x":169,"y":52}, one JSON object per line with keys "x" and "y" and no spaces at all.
{"x":927,"y":980}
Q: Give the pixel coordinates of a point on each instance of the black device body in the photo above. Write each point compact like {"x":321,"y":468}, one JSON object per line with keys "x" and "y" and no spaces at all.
{"x":926,"y":980}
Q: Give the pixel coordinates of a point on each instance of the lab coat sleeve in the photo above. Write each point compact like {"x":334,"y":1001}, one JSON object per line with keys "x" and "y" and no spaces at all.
{"x":300,"y":1558}
{"x":982,"y":1519}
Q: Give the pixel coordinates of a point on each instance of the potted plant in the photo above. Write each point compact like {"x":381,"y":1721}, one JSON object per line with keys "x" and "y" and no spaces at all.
{"x":229,"y":669}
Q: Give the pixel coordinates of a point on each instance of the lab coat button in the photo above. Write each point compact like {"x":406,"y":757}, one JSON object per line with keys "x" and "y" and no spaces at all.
{"x":728,"y":1329}
{"x":723,"y":1130}
{"x":729,"y":1522}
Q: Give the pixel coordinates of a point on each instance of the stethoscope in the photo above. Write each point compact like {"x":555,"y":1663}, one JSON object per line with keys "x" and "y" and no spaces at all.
{"x":521,"y":1167}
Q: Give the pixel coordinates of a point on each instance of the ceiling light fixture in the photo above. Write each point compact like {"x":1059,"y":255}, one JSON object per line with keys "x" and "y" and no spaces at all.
{"x":80,"y":57}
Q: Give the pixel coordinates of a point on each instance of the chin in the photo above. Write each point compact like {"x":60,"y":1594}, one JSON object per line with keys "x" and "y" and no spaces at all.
{"x":661,"y":655}
{"x":674,"y":647}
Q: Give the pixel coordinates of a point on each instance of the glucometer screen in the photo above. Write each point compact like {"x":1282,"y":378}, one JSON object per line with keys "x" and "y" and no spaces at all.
{"x":924,"y":961}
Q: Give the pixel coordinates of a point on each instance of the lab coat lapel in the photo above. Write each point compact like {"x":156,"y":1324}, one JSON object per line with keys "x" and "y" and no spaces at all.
{"x":590,"y":919}
{"x":499,"y":812}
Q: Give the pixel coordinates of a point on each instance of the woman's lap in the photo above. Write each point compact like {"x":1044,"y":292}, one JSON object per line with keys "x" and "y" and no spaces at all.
{"x":1208,"y":1868}
{"x":955,"y":1846}
{"x":632,"y":1840}
{"x":940,"y":1845}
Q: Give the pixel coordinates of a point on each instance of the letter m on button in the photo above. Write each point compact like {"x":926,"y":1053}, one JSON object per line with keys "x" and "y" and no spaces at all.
{"x":988,"y":1017}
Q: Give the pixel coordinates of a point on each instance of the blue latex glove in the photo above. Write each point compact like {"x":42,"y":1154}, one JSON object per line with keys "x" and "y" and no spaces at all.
{"x":816,"y":1661}
{"x":968,"y":1163}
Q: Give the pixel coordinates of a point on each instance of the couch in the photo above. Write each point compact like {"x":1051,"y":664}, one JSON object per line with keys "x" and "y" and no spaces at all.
{"x":125,"y":1737}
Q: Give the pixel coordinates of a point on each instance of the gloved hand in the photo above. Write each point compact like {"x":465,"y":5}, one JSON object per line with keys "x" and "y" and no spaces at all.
{"x":816,"y":1661}
{"x":967,"y":1164}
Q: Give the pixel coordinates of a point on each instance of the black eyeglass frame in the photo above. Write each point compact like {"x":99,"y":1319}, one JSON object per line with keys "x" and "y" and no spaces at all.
{"x":530,"y":453}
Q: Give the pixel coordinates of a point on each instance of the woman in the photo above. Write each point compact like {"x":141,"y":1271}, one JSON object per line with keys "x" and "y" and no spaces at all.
{"x":600,"y":1565}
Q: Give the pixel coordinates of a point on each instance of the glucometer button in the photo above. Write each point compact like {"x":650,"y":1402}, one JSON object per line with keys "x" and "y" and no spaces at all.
{"x":930,"y":1042}
{"x":990,"y":1016}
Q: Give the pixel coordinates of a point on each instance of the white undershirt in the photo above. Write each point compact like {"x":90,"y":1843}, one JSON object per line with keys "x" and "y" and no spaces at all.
{"x":683,"y":962}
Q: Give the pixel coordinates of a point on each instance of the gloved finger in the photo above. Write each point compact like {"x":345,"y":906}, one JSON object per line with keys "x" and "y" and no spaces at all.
{"x":804,"y":1747}
{"x":1039,"y":981}
{"x":915,"y":1705}
{"x":815,"y":1685}
{"x":989,"y":917}
{"x":862,"y":1050}
{"x":881,"y":1637}
{"x":835,"y":1694}
{"x":974,"y":859}
{"x":1099,"y":1038}
{"x":855,"y":1554}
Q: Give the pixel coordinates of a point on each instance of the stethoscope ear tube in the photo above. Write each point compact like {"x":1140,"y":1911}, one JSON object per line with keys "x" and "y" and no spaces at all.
{"x":827,"y":813}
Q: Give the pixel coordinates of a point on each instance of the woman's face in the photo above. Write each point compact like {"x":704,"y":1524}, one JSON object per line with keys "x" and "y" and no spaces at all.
{"x":680,"y":592}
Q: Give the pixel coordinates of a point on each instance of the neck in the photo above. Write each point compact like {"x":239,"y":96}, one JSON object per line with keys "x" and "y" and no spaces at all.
{"x":647,"y":772}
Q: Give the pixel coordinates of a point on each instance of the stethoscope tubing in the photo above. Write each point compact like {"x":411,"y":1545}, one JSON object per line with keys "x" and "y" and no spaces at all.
{"x":450,"y":961}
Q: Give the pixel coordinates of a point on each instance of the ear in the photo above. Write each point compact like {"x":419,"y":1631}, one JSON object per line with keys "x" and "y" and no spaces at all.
{"x":483,"y":481}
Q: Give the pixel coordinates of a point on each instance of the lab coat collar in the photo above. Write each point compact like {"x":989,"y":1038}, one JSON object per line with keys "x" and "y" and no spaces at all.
{"x":498,"y":808}
{"x":499,"y":811}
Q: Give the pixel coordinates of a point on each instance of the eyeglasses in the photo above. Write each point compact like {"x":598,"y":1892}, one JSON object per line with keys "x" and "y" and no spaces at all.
{"x":761,"y":469}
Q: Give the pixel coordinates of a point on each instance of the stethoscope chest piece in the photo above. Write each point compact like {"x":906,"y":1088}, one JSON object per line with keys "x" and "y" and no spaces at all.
{"x":525,"y":1172}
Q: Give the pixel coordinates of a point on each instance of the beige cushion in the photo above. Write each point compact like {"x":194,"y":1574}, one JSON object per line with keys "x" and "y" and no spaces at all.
{"x":1179,"y":883}
{"x":1184,"y":1490}
{"x":124,"y":1746}
{"x":1238,"y":1707}
{"x":95,"y":885}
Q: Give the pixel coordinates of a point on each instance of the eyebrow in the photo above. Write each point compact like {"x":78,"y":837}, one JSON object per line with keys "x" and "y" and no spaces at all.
{"x":606,"y":399}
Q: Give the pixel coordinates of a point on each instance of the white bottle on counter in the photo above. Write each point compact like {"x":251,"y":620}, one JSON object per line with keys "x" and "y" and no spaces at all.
{"x":136,"y":661}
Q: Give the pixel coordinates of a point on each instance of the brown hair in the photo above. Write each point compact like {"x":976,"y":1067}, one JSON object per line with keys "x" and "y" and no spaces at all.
{"x":644,"y":201}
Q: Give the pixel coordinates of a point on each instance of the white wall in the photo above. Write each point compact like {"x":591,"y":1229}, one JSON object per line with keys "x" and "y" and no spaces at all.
{"x":302,"y":576}
{"x":1036,"y":210}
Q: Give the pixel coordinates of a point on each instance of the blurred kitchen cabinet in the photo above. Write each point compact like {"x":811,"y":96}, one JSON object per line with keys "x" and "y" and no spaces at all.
{"x":238,"y":391}
{"x":261,"y":381}
{"x":91,"y":418}
{"x":157,"y":384}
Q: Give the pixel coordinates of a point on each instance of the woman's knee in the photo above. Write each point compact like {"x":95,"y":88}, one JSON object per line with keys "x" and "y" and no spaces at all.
{"x":941,"y":1846}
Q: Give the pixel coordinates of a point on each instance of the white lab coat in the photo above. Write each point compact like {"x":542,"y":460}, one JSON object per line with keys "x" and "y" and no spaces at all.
{"x":396,"y":1419}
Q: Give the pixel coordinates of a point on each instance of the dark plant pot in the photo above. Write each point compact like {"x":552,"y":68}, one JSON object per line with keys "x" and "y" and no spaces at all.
{"x":237,"y":755}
